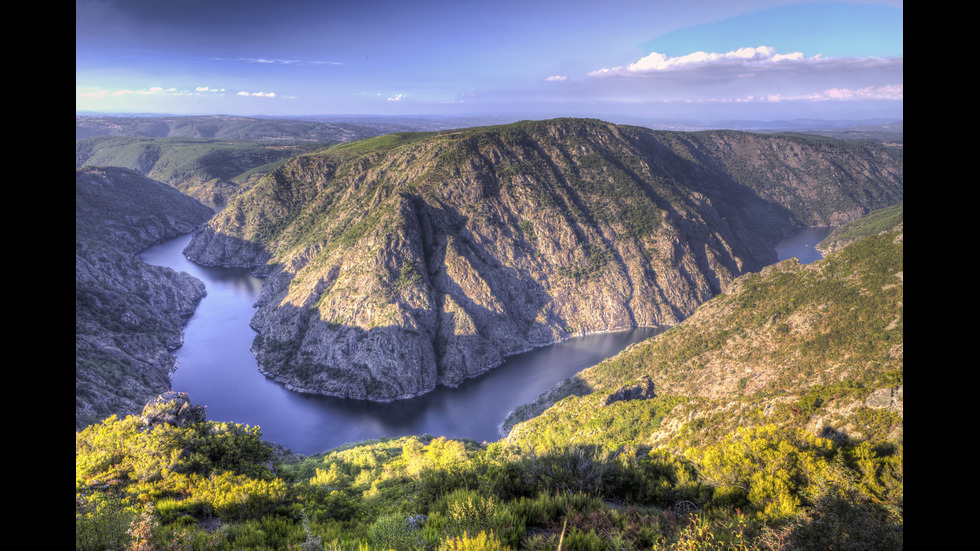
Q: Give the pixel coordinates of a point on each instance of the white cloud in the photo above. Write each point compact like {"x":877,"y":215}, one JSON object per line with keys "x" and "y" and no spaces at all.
{"x":209,"y":89}
{"x":747,"y":57}
{"x":556,"y":78}
{"x":888,"y":92}
{"x":891,"y":91}
{"x":396,"y":98}
{"x":152,"y":91}
{"x":257,"y":94}
{"x":747,"y":75}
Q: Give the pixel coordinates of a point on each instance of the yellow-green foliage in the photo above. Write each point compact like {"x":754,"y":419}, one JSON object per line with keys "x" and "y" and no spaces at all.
{"x":479,"y":542}
{"x":437,"y":493}
{"x":777,"y":472}
{"x":765,"y":466}
{"x":583,"y":420}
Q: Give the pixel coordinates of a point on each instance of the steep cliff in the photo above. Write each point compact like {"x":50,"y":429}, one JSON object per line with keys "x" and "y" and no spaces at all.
{"x":128,"y":315}
{"x":407,"y":261}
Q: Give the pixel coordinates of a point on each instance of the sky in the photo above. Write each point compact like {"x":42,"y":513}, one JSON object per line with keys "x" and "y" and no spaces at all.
{"x":707,"y":59}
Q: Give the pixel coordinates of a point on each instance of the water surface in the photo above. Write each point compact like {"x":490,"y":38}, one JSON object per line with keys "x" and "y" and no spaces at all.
{"x":218,"y":370}
{"x":803,"y":245}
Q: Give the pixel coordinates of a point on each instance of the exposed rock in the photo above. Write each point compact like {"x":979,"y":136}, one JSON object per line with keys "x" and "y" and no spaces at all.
{"x":642,"y":390}
{"x":172,"y":408}
{"x":396,"y":268}
{"x":890,"y":398}
{"x":128,"y":314}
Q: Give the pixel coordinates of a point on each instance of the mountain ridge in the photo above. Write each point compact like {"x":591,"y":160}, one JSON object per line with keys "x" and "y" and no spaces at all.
{"x":468,"y":245}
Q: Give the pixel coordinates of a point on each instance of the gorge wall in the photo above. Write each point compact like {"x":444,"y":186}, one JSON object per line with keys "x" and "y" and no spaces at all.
{"x":407,"y":261}
{"x":128,"y":314}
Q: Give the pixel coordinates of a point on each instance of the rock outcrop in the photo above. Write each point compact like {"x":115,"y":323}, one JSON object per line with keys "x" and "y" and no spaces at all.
{"x":642,"y":390}
{"x":172,"y":408}
{"x":404,"y":262}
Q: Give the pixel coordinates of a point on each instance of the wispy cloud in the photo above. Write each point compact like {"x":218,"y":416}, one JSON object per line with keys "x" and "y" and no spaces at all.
{"x":396,"y":98}
{"x":888,"y":92}
{"x":153,"y":91}
{"x":160,"y":91}
{"x":278,"y":61}
{"x":556,"y":78}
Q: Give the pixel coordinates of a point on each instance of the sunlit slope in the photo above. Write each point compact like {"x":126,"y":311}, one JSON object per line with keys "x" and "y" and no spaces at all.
{"x":818,"y":347}
{"x":411,"y":260}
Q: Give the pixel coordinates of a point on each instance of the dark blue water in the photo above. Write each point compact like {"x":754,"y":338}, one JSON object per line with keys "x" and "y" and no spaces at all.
{"x":218,"y":370}
{"x":803,"y":245}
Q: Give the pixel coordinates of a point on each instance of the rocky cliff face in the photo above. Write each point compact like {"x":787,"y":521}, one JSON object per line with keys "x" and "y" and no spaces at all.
{"x":817,"y":346}
{"x":409,"y":261}
{"x":128,"y":315}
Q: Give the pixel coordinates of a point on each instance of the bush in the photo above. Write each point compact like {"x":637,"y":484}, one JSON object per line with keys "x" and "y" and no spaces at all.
{"x":480,"y":542}
{"x":398,"y":532}
{"x":102,"y":525}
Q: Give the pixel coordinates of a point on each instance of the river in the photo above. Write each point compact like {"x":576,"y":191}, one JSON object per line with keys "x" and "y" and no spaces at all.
{"x":217,"y":370}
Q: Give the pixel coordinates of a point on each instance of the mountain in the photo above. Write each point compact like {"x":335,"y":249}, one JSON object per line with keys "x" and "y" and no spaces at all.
{"x":128,"y":315}
{"x":412,"y":260}
{"x":209,"y":170}
{"x":212,"y":158}
{"x":819,"y":346}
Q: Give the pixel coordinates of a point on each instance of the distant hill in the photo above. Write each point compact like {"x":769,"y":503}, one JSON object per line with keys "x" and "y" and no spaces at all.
{"x":891,"y":134}
{"x":210,"y":170}
{"x":227,"y":127}
{"x":411,"y":260}
{"x":128,"y":315}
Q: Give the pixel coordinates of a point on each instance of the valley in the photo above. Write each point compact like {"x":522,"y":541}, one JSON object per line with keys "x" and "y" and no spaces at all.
{"x":401,"y":263}
{"x":402,"y":266}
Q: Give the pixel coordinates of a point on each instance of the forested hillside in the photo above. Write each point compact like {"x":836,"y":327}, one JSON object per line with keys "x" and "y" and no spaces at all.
{"x":661,"y":447}
{"x":209,"y":170}
{"x":875,"y":222}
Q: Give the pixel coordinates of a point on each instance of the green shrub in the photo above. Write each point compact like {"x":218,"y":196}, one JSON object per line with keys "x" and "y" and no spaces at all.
{"x":398,"y":532}
{"x":479,"y":542}
{"x":102,"y":524}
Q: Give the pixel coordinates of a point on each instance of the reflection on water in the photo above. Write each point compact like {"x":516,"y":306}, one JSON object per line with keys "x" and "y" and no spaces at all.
{"x":218,"y":370}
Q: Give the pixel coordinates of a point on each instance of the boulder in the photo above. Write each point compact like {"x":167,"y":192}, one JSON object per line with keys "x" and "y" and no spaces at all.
{"x":173,"y":408}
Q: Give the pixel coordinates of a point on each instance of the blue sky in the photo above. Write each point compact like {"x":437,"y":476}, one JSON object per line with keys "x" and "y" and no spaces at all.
{"x":751,"y":59}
